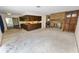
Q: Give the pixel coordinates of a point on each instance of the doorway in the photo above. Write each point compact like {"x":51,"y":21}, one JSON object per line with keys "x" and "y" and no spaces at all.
{"x":9,"y":23}
{"x":12,"y":23}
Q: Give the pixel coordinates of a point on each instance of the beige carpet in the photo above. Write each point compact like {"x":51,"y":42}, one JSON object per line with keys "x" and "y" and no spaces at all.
{"x":38,"y":41}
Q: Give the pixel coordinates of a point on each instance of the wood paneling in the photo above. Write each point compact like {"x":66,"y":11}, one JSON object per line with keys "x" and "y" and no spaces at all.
{"x":56,"y":16}
{"x":68,"y":20}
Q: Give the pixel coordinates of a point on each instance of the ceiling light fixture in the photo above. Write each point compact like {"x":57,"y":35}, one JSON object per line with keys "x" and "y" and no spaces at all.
{"x":38,"y":6}
{"x":8,"y":13}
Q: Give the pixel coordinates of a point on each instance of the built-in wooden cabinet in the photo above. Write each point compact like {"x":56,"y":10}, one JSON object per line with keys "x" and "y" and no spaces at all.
{"x":70,"y":21}
{"x":30,"y":18}
{"x":30,"y":22}
{"x":29,"y":27}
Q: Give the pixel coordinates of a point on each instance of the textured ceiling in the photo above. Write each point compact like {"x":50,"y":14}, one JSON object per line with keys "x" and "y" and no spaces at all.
{"x":33,"y":10}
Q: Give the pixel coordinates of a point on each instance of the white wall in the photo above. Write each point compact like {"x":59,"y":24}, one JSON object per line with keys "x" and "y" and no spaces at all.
{"x":77,"y":32}
{"x":3,"y":18}
{"x":0,"y":36}
{"x":43,"y":22}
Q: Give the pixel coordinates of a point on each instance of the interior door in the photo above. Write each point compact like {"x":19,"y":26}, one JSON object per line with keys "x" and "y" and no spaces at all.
{"x":73,"y":23}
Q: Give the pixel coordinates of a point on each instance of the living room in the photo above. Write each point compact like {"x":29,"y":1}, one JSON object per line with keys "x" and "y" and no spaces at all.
{"x":26,"y":28}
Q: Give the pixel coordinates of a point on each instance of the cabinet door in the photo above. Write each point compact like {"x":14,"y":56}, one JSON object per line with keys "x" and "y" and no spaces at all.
{"x":67,"y":20}
{"x":73,"y":23}
{"x":66,"y":24}
{"x":39,"y":18}
{"x":36,"y":18}
{"x":72,"y":27}
{"x":22,"y":19}
{"x":66,"y":27}
{"x":73,"y":20}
